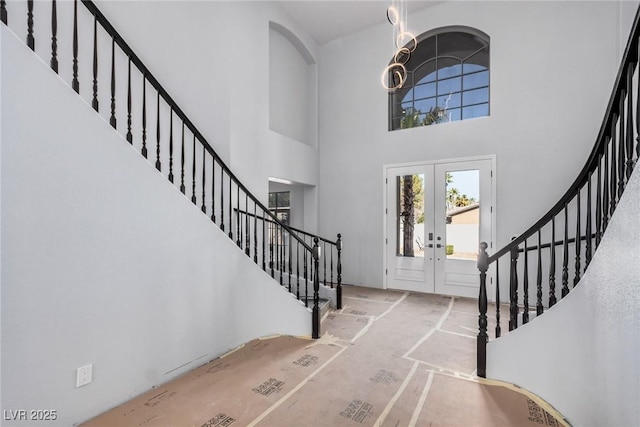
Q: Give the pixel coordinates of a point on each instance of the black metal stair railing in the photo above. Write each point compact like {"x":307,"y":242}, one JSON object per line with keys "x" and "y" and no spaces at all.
{"x":179,"y":151}
{"x":286,"y":258}
{"x":551,"y":255}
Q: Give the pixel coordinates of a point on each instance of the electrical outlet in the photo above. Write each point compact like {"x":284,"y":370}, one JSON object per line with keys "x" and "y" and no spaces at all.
{"x":84,"y":375}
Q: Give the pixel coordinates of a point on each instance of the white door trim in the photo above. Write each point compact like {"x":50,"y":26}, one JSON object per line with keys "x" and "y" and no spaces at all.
{"x":386,"y":167}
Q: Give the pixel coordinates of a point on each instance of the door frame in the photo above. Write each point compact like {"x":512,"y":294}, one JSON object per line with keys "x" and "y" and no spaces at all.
{"x":385,"y":217}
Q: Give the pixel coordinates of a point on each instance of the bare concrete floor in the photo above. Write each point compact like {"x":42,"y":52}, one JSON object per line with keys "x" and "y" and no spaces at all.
{"x":386,"y":359}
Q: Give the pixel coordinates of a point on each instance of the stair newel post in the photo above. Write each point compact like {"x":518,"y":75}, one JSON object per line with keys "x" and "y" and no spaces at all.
{"x":513,"y":287}
{"x":75,"y":84}
{"x":3,"y":11}
{"x":317,"y":253}
{"x":54,"y":36}
{"x":339,"y":272}
{"x":481,"y":354}
{"x":31,"y":42}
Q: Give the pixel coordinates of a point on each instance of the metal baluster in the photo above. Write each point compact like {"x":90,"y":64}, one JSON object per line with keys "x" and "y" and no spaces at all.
{"x":221,"y":198}
{"x":525,"y":284}
{"x":238,"y":235}
{"x":54,"y":36}
{"x":264,"y":241}
{"x":289,"y":267}
{"x":552,"y":265}
{"x":31,"y":42}
{"x":129,"y":134}
{"x":298,"y":270}
{"x":170,"y":176}
{"x":629,"y":150}
{"x":605,"y":188}
{"x":589,"y":241}
{"x":306,"y":280}
{"x":599,"y":203}
{"x":576,"y":279}
{"x":539,"y":306}
{"x":339,"y":272}
{"x":498,"y":327}
{"x":614,"y":178}
{"x":203,"y":207}
{"x":513,"y":286}
{"x":3,"y":11}
{"x":247,"y":229}
{"x":621,"y":148}
{"x":255,"y":231}
{"x":182,"y":187}
{"x":112,"y":119}
{"x":331,"y":265}
{"x":193,"y":172}
{"x":324,"y":249}
{"x":565,"y":254}
{"x":271,"y":249}
{"x":94,"y":102}
{"x":144,"y":116}
{"x":483,"y":338}
{"x":279,"y":254}
{"x":75,"y":84}
{"x":213,"y":188}
{"x":230,"y":212}
{"x":158,"y":164}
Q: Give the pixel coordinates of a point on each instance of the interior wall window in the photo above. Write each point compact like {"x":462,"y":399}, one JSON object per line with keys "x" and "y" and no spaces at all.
{"x":447,"y":79}
{"x":280,"y":205}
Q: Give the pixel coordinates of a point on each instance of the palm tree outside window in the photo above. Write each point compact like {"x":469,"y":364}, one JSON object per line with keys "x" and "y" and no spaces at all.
{"x":447,"y":79}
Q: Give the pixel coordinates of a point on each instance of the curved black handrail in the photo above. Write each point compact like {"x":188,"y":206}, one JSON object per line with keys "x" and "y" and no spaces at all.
{"x":630,"y":57}
{"x":594,"y":194}
{"x":93,"y":9}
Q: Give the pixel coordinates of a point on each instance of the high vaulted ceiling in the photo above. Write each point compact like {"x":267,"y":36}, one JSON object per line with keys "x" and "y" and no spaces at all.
{"x":326,"y":20}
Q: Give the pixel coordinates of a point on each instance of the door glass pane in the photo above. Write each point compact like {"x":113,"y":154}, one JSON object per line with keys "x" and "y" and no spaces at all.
{"x":410,"y":215}
{"x":462,"y":214}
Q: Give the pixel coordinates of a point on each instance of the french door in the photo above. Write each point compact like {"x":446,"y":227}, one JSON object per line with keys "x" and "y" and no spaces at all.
{"x":436,"y":216}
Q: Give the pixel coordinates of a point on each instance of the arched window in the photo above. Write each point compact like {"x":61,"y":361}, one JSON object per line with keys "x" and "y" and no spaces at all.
{"x":447,"y":79}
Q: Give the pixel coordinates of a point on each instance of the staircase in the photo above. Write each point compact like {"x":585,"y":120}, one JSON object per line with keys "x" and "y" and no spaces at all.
{"x":168,"y":139}
{"x":122,"y":227}
{"x":553,"y":259}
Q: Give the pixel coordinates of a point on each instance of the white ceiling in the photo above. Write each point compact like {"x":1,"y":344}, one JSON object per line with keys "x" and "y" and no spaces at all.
{"x":326,"y":20}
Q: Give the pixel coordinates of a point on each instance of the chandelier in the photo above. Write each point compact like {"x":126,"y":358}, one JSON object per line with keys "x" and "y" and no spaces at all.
{"x":404,"y":43}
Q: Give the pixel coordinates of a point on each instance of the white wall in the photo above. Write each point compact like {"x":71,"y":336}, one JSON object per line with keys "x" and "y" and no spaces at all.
{"x":552,"y":71}
{"x":582,"y":355}
{"x":217,"y":65}
{"x":105,"y":262}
